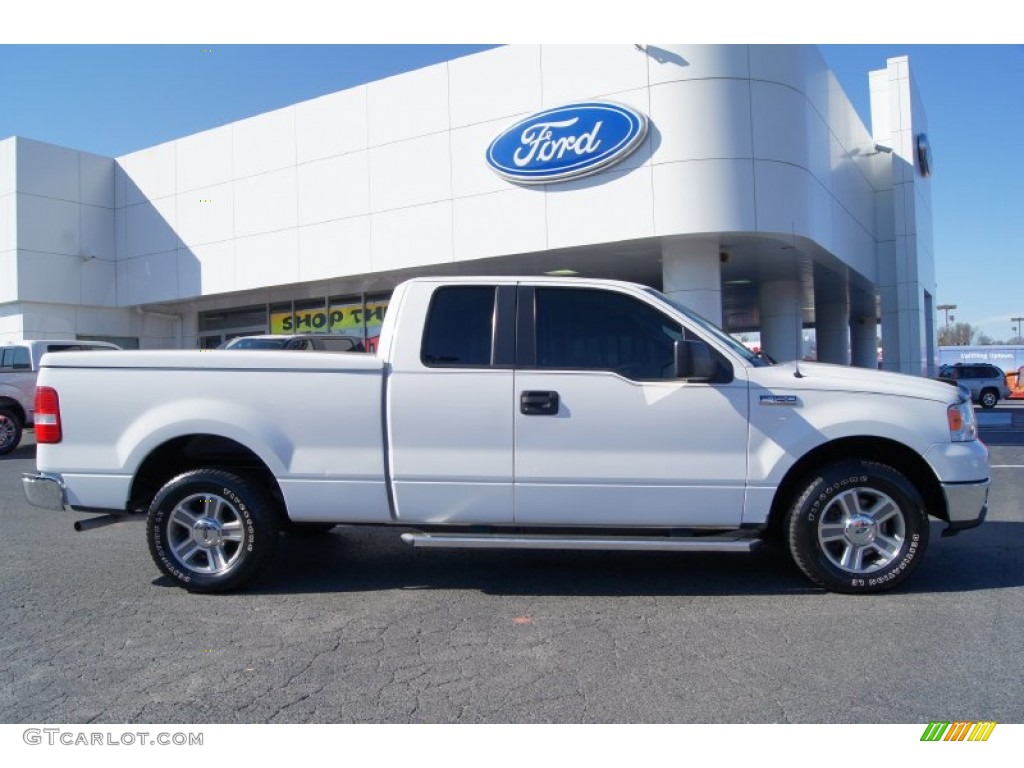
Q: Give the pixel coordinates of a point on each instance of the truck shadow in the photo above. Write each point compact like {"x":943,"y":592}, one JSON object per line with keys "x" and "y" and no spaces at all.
{"x":366,"y":560}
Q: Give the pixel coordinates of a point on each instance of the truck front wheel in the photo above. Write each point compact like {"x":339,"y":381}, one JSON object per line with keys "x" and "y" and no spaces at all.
{"x":858,"y":527}
{"x":210,"y":530}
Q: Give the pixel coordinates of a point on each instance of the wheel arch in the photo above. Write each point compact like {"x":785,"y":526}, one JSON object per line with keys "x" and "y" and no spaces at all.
{"x":198,"y":451}
{"x":883,"y":450}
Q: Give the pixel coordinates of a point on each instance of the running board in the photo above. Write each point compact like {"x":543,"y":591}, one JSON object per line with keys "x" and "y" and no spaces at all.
{"x":636,"y":543}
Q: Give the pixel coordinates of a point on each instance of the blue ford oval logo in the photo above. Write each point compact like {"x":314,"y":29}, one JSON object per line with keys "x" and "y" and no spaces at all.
{"x":566,"y":142}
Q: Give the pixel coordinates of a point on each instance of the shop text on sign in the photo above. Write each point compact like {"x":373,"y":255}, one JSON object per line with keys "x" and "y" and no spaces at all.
{"x":344,"y":318}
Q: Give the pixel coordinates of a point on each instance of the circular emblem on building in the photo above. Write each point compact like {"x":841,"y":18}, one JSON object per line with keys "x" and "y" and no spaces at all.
{"x":924,"y":155}
{"x":566,"y":142}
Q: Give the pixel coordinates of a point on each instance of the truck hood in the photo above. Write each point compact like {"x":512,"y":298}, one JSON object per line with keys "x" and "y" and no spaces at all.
{"x":824,"y":377}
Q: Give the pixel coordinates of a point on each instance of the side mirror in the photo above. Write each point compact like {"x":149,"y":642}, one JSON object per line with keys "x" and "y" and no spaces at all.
{"x":694,"y":361}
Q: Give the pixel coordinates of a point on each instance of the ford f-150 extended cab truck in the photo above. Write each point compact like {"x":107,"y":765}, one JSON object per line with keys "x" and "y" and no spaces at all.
{"x":515,"y":413}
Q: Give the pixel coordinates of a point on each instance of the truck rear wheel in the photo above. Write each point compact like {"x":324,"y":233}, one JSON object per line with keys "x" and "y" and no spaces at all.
{"x":10,"y":431}
{"x":210,"y":530}
{"x":858,"y":527}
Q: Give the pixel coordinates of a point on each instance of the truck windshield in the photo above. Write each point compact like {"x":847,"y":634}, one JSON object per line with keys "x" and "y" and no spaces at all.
{"x":758,"y":360}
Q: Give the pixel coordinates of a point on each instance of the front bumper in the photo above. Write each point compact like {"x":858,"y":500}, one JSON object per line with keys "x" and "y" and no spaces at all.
{"x":45,"y":490}
{"x":966,"y":505}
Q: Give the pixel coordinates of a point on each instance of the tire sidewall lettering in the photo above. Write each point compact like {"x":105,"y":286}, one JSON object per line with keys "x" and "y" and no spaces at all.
{"x":843,"y":478}
{"x":255,"y":512}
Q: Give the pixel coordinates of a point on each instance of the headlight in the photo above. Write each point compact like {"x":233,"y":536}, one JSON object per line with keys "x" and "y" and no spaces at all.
{"x":962,"y":426}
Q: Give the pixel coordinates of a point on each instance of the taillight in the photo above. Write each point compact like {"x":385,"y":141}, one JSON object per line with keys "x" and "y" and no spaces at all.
{"x":47,"y":415}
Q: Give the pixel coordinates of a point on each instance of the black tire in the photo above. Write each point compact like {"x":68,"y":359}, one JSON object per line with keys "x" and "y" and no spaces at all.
{"x":858,"y":527}
{"x":211,"y":531}
{"x":989,"y":398}
{"x":10,"y":431}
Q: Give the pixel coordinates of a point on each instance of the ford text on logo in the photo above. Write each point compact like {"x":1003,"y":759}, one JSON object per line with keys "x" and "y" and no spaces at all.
{"x":566,"y":142}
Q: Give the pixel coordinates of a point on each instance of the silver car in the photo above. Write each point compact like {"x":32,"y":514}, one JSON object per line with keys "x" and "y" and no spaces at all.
{"x":986,"y":383}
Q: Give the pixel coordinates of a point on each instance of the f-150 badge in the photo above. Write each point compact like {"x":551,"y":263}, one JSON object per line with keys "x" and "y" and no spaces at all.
{"x":788,"y":401}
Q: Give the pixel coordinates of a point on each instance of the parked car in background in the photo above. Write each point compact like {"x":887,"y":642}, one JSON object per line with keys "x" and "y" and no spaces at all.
{"x":986,"y":383}
{"x":19,"y":367}
{"x":324,"y":342}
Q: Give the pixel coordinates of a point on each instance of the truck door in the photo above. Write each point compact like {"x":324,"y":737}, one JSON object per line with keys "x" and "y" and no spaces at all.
{"x":449,"y":421}
{"x":604,"y":433}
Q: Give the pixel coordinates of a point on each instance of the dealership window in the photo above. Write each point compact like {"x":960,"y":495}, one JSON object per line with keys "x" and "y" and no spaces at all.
{"x":360,"y":316}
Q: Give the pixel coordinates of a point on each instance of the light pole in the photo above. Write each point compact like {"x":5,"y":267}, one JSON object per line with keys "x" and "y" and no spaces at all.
{"x":945,"y":308}
{"x":1018,"y":321}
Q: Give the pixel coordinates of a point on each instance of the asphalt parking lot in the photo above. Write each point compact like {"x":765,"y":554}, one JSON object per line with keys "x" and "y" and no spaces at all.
{"x":353,"y":626}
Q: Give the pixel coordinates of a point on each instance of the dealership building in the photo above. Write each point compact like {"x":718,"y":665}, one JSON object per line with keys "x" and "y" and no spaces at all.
{"x":744,"y":184}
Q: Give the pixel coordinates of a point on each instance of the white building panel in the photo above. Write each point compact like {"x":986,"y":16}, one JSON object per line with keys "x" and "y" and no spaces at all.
{"x":206,"y":215}
{"x":498,"y":86}
{"x":408,"y":105}
{"x":120,"y":233}
{"x":149,"y":278}
{"x":574,"y":73}
{"x":470,"y":174}
{"x":8,"y":223}
{"x":334,"y":188}
{"x":849,"y":185}
{"x":151,"y":228}
{"x":502,"y":223}
{"x":411,"y":237}
{"x":701,"y":119}
{"x":150,"y":173}
{"x":667,"y":63}
{"x":206,"y":269}
{"x":411,"y":172}
{"x":9,"y":283}
{"x":47,"y":170}
{"x":613,"y":206}
{"x":266,"y":203}
{"x":263,"y":143}
{"x":47,"y":224}
{"x":8,"y":166}
{"x":334,"y":249}
{"x":96,"y":180}
{"x":49,"y":322}
{"x":269,"y":259}
{"x":204,"y":159}
{"x":120,"y":185}
{"x":799,"y":67}
{"x":789,"y":207}
{"x":49,"y":277}
{"x":99,"y":283}
{"x":331,"y":125}
{"x":701,"y":196}
{"x":96,"y":232}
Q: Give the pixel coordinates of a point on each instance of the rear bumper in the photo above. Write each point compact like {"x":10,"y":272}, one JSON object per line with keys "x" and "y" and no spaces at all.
{"x":44,"y":490}
{"x":966,"y":504}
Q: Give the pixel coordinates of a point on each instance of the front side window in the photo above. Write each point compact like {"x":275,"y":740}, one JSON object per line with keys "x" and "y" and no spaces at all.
{"x":460,"y":327}
{"x":580,"y":328}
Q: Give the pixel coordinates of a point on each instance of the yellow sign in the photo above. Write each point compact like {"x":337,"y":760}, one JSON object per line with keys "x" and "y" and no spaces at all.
{"x":342,"y":318}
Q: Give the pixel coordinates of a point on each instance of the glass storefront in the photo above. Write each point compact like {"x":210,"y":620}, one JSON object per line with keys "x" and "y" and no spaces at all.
{"x":359,"y":316}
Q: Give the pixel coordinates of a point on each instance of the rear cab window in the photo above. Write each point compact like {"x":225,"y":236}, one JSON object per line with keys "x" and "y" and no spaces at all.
{"x":459,"y":331}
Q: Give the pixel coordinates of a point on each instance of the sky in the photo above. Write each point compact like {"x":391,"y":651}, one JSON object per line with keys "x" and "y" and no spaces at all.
{"x":114,"y":99}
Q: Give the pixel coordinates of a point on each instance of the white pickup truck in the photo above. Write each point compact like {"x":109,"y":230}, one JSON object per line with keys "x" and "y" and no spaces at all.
{"x":512,"y":412}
